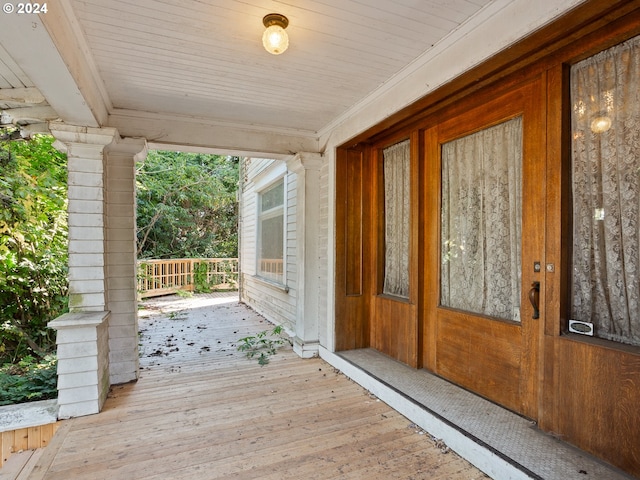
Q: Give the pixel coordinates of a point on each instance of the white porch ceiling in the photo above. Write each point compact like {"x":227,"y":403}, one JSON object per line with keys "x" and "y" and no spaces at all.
{"x":177,"y":71}
{"x":205,"y":58}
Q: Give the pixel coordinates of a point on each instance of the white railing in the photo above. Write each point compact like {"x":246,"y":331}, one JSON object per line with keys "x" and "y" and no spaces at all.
{"x":272,"y":269}
{"x":162,"y":277}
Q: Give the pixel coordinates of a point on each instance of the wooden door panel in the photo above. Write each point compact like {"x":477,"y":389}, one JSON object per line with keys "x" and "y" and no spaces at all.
{"x":597,"y":400}
{"x":481,"y":355}
{"x":353,"y":186}
{"x":395,"y":330}
{"x":353,"y":268}
{"x":495,"y":358}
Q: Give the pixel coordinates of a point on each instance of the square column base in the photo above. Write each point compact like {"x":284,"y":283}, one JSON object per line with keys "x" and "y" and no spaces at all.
{"x":306,"y":349}
{"x":83,"y":362}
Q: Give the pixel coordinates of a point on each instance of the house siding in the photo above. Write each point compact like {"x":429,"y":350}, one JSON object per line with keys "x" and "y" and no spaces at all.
{"x":120,"y":262}
{"x":276,"y":303}
{"x":323,"y":254}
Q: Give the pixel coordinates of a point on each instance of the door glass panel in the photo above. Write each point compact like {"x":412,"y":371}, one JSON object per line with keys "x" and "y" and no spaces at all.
{"x":397,"y":202}
{"x":481,"y":221}
{"x":605,"y":283}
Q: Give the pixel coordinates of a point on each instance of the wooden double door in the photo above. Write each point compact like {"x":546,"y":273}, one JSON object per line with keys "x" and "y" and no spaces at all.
{"x":475,"y":248}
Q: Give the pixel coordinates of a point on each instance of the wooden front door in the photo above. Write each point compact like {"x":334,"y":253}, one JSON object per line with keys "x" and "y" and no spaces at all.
{"x":484,"y":238}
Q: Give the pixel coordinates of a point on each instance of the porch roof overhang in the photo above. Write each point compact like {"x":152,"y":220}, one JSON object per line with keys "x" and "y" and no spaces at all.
{"x":194,"y":75}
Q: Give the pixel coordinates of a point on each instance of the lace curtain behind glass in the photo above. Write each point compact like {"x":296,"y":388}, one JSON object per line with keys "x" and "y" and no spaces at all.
{"x":605,"y":94}
{"x":481,"y":221}
{"x":397,"y":202}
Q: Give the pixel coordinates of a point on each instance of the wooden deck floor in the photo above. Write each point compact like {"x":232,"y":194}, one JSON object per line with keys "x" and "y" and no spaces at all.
{"x":201,"y":410}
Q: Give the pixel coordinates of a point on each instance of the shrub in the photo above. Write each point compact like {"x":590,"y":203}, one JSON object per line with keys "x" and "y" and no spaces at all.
{"x":28,"y":380}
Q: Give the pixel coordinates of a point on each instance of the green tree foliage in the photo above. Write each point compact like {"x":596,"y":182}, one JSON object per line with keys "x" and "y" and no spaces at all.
{"x":33,"y":246}
{"x":187,"y":206}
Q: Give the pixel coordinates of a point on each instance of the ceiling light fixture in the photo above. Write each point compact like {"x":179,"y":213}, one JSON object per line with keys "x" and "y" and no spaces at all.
{"x":274,"y":38}
{"x":600,"y":124}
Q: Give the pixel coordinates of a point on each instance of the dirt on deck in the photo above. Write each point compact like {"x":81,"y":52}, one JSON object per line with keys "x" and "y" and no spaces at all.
{"x":175,"y":329}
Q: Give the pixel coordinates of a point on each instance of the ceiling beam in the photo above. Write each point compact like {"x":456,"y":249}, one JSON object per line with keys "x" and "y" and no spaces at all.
{"x":195,"y":134}
{"x":29,"y":114}
{"x":26,"y":95}
{"x":67,"y":36}
{"x":28,"y":43}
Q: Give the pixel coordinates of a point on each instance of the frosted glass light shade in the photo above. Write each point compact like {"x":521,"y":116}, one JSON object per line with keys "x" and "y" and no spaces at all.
{"x":275,"y":39}
{"x":600,"y":124}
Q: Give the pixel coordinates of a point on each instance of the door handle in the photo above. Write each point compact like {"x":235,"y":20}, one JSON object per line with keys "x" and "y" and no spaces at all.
{"x":534,"y":298}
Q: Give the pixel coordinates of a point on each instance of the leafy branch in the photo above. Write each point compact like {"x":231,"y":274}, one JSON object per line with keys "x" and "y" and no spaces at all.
{"x":186,"y":205}
{"x":263,"y":345}
{"x":33,"y":246}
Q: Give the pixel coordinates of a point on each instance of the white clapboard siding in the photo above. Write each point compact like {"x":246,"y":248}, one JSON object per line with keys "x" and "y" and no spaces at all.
{"x":291,"y":266}
{"x":323,"y":249}
{"x":276,"y":303}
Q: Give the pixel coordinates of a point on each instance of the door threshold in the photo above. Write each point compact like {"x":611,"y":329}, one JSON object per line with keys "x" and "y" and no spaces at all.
{"x":499,"y":442}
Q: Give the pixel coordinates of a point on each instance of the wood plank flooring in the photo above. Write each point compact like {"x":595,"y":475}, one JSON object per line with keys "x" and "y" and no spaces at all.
{"x":208,"y":413}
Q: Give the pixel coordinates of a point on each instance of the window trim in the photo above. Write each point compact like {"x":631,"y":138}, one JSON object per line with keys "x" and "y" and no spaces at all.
{"x":263,"y":182}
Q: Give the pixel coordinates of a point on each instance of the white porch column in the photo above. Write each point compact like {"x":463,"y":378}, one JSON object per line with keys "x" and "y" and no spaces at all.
{"x":120,"y":249}
{"x":307,"y":168}
{"x":82,"y":336}
{"x":85,"y":163}
{"x":98,"y":339}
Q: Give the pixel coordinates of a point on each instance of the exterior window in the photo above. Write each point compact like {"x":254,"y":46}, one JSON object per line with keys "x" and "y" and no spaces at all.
{"x":271,"y":219}
{"x":481,"y":226}
{"x":605,"y":117}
